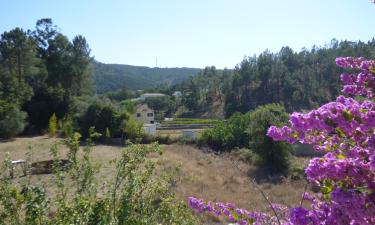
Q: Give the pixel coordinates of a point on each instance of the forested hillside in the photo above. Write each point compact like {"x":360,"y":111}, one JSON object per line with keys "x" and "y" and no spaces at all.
{"x":112,"y":77}
{"x":297,"y":80}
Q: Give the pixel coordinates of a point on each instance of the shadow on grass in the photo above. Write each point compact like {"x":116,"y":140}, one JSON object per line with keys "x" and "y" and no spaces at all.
{"x":263,"y":174}
{"x":46,"y":167}
{"x":6,"y":140}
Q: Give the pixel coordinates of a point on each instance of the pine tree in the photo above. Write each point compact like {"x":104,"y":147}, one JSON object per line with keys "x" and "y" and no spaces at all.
{"x":52,"y":125}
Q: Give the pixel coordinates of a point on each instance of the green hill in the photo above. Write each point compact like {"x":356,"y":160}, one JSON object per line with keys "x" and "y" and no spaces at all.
{"x":112,"y":77}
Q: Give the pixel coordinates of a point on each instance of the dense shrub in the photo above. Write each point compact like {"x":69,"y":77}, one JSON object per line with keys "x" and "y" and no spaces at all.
{"x":12,"y":120}
{"x":228,"y":134}
{"x":102,"y":117}
{"x":249,"y":131}
{"x":273,"y":155}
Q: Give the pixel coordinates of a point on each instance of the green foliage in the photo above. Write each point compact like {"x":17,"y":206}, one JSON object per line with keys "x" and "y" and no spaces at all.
{"x":228,"y":134}
{"x":204,"y":89}
{"x":102,"y":116}
{"x":249,"y":131}
{"x":41,"y":71}
{"x":273,"y":155}
{"x":12,"y":120}
{"x":120,"y":95}
{"x":18,"y":64}
{"x":136,"y":195}
{"x":67,"y":128}
{"x":52,"y":125}
{"x":163,"y":106}
{"x":133,"y":130}
{"x":129,"y":106}
{"x":297,"y":80}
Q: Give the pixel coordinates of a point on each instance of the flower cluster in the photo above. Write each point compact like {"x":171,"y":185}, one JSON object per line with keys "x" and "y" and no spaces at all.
{"x":238,"y":215}
{"x":345,"y":131}
{"x":362,"y":83}
{"x":345,"y":117}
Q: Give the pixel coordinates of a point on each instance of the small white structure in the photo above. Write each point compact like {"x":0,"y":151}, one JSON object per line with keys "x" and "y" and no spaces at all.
{"x":150,"y":129}
{"x":151,"y":95}
{"x":144,"y":114}
{"x":18,"y":162}
{"x":177,"y":94}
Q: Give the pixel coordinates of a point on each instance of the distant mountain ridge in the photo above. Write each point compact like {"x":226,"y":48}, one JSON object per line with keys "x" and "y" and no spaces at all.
{"x":112,"y":77}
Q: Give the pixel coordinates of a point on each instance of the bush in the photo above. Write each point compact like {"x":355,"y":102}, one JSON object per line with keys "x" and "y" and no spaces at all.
{"x":12,"y":120}
{"x":273,"y":155}
{"x":102,"y":116}
{"x":133,"y":130}
{"x":229,"y":134}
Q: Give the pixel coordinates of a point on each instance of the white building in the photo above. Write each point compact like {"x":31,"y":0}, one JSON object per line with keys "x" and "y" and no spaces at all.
{"x":151,"y":95}
{"x":177,"y":94}
{"x":144,"y":114}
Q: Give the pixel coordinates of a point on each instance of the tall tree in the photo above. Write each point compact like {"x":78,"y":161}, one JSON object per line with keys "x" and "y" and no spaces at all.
{"x":18,"y":65}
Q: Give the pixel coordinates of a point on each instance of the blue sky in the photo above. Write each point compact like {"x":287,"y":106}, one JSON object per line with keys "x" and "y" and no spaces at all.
{"x":195,"y":33}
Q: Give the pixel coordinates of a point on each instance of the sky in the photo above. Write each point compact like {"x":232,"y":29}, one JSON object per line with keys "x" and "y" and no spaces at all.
{"x":195,"y":33}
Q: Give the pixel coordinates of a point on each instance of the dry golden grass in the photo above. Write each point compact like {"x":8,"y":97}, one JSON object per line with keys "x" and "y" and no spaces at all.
{"x":219,"y":178}
{"x":204,"y":175}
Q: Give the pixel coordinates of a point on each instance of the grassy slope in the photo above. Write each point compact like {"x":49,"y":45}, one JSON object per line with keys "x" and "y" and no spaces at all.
{"x":202,"y":174}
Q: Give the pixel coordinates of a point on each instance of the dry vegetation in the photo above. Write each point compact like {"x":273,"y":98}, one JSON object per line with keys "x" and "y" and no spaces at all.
{"x":201,"y":174}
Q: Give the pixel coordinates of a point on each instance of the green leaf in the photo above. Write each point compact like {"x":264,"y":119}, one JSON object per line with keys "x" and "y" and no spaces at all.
{"x":347,"y":115}
{"x":340,"y":132}
{"x":326,"y":189}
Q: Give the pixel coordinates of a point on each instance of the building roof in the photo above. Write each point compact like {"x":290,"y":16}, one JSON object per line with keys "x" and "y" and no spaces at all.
{"x":143,"y":107}
{"x":153,"y":94}
{"x":177,"y":93}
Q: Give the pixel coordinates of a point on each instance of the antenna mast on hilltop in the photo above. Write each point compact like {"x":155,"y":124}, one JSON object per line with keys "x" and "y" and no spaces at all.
{"x":156,"y":63}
